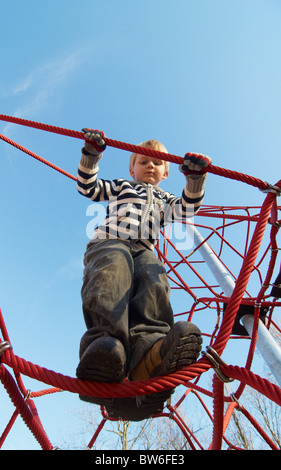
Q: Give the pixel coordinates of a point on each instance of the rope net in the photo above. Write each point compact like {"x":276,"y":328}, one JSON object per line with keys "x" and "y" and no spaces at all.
{"x":240,"y":237}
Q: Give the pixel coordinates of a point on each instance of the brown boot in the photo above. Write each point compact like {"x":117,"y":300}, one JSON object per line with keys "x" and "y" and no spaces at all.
{"x":150,"y":360}
{"x":178,"y":349}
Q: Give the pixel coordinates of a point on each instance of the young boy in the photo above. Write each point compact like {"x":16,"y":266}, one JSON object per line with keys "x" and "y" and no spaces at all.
{"x":125,"y":293}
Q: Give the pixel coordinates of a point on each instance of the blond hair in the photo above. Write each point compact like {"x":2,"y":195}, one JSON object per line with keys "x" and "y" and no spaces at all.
{"x":150,"y":144}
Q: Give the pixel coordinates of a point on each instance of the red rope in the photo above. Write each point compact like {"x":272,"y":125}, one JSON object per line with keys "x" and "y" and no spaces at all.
{"x":40,"y":159}
{"x":136,"y":149}
{"x":242,"y":281}
{"x":218,"y":405}
{"x":30,"y":419}
{"x":259,"y":428}
{"x":26,"y":408}
{"x":102,"y":389}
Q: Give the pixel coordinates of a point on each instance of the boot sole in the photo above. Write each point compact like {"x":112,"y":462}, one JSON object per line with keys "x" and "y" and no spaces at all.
{"x":180,"y":348}
{"x":103,"y":361}
{"x":126,"y":408}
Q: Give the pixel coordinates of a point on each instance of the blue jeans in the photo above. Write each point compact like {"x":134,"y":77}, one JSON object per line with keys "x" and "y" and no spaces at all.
{"x":125,"y":294}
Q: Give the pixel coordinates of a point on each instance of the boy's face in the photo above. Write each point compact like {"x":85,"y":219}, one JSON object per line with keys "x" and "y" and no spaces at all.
{"x":149,"y":170}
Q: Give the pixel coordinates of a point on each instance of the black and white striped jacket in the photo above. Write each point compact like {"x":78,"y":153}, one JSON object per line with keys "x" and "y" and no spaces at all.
{"x":136,"y":210}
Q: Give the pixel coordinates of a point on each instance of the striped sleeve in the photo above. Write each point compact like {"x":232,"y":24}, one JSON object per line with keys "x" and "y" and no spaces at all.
{"x":193,"y":193}
{"x":88,"y":183}
{"x":189,"y":203}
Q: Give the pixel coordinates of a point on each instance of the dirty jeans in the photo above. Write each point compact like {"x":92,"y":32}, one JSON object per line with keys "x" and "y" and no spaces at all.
{"x":125,"y":294}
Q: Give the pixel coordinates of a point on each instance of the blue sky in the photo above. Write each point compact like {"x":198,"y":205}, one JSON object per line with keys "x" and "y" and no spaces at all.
{"x":199,"y":76}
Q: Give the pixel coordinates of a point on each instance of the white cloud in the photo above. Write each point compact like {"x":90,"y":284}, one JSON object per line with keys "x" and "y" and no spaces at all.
{"x":42,"y":87}
{"x":46,"y":78}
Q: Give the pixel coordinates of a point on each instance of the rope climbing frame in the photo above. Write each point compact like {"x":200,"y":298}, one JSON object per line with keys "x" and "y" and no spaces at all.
{"x":226,"y":309}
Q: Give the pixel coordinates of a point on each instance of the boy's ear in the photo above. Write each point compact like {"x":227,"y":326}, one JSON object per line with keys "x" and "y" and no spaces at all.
{"x":165,"y":175}
{"x":132,"y":173}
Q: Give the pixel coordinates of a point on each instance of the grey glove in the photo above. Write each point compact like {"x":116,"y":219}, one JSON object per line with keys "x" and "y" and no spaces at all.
{"x":194,"y":163}
{"x":98,"y":144}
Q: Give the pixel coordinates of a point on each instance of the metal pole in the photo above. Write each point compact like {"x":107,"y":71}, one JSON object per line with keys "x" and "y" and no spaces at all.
{"x":267,"y":346}
{"x":221,"y":275}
